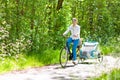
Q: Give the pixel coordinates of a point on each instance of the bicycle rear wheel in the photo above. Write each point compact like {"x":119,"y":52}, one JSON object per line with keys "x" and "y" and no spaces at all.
{"x":100,"y":57}
{"x":63,"y":57}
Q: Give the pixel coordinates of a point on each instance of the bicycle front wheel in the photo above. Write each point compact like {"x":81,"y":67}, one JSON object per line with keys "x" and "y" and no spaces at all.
{"x":63,"y":57}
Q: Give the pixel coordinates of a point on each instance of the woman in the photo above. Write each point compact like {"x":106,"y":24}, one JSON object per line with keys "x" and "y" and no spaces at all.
{"x":74,"y":38}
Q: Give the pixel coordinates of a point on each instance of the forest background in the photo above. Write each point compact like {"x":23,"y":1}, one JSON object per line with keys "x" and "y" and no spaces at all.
{"x":31,"y":30}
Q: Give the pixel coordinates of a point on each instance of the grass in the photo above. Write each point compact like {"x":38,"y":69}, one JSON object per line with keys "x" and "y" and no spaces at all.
{"x":47,"y":57}
{"x":113,"y":75}
{"x":110,"y":49}
{"x":106,"y":49}
{"x":30,"y":60}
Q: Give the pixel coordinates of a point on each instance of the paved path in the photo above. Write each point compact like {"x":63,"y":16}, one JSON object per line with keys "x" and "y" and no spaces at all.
{"x":91,"y":68}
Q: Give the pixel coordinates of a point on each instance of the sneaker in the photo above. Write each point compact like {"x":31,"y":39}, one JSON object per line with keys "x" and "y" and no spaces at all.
{"x":75,"y":62}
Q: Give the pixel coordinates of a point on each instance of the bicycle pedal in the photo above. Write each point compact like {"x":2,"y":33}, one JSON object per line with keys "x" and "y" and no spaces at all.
{"x":70,"y":57}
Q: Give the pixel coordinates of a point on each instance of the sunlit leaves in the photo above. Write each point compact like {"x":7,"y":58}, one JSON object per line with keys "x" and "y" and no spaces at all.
{"x":39,"y":22}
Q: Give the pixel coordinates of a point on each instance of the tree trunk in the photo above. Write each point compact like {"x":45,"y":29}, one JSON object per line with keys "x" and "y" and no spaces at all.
{"x":32,"y":23}
{"x":59,"y":5}
{"x":17,"y":18}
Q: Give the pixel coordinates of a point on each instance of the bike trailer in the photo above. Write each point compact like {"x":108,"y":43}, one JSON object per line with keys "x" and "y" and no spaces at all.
{"x":89,"y":50}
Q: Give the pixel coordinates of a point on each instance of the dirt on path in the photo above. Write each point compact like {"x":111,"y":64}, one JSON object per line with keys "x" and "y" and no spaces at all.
{"x":91,"y":68}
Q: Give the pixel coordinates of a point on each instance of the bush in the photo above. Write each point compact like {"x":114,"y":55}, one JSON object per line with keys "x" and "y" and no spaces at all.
{"x":32,"y":60}
{"x":113,"y":46}
{"x":9,"y":48}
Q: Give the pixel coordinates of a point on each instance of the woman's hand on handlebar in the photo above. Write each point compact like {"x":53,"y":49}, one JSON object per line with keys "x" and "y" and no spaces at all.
{"x":65,"y":36}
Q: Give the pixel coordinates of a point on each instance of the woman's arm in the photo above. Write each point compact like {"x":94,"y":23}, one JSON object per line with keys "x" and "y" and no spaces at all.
{"x":66,"y":32}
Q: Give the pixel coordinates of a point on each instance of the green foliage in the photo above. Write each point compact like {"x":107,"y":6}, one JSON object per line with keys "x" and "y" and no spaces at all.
{"x":24,"y":61}
{"x":9,"y":48}
{"x":106,"y":50}
{"x":39,"y":22}
{"x":49,"y":57}
{"x":6,"y":65}
{"x":37,"y":25}
{"x":113,"y":75}
{"x":113,"y":46}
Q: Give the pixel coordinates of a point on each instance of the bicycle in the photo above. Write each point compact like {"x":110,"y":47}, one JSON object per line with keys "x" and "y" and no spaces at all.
{"x":92,"y":52}
{"x":65,"y":55}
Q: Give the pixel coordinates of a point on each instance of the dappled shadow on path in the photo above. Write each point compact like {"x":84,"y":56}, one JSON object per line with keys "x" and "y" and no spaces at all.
{"x":72,"y":65}
{"x":87,"y":63}
{"x":67,"y":66}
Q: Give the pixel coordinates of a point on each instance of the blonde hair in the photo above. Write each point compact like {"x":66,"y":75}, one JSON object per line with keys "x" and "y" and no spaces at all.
{"x":74,"y":19}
